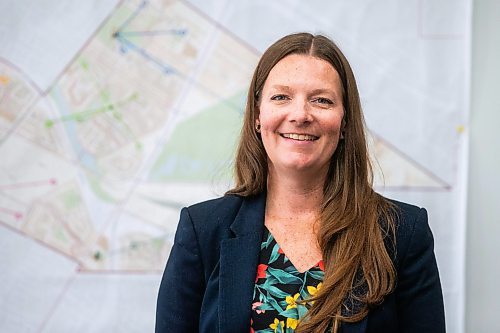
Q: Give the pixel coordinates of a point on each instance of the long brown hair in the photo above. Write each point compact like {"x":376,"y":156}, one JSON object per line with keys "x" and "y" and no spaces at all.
{"x":356,"y":224}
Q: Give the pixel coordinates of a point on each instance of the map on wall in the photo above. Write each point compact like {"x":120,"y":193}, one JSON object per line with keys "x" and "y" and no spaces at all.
{"x":142,"y":121}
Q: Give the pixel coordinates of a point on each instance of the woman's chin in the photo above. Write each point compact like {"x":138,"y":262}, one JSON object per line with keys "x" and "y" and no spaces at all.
{"x":304,"y":167}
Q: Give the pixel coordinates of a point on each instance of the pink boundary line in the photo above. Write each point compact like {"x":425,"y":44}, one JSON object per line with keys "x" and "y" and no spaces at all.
{"x":25,"y":76}
{"x":41,"y":243}
{"x":40,"y":94}
{"x":445,"y":185}
{"x":80,"y":267}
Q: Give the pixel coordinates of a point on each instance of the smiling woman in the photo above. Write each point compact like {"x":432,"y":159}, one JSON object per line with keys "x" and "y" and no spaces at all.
{"x":302,"y":243}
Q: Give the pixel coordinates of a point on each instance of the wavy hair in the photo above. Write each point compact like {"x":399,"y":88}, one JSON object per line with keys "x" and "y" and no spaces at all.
{"x":356,"y":230}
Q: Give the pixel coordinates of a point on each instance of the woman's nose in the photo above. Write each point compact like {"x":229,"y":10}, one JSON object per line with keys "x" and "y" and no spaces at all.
{"x":300,"y":112}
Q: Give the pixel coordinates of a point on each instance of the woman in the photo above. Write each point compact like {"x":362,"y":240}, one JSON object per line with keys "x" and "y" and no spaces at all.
{"x":302,"y":243}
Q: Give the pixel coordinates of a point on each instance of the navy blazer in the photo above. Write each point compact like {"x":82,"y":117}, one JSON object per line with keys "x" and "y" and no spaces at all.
{"x":209,"y":279}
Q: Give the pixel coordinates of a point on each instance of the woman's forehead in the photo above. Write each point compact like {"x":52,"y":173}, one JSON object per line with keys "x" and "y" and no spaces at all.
{"x":306,"y":71}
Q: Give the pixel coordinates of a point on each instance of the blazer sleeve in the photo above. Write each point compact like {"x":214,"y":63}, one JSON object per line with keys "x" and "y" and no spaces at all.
{"x":181,"y":289}
{"x":418,"y":293}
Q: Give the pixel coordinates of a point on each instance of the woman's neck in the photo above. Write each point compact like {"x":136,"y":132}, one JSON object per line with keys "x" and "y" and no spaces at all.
{"x":294,"y":196}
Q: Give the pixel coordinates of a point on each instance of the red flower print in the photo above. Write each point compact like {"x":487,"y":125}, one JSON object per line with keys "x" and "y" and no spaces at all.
{"x":321,"y":265}
{"x":280,"y":251}
{"x":261,"y":272}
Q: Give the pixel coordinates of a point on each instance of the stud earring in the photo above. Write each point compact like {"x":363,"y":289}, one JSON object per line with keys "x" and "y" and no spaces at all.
{"x":257,"y":128}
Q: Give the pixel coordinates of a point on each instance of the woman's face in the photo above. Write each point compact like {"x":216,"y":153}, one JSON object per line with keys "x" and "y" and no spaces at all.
{"x":300,"y":114}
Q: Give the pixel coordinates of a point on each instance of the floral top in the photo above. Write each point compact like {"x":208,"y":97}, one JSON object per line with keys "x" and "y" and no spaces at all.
{"x":278,"y":287}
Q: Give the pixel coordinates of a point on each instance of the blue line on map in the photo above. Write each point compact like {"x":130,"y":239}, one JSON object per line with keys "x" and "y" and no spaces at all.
{"x":127,"y":44}
{"x":133,"y":15}
{"x":123,"y":49}
{"x":177,"y":32}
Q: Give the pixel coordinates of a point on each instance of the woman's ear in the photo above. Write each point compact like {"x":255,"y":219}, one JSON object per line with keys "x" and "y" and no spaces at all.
{"x":257,"y":125}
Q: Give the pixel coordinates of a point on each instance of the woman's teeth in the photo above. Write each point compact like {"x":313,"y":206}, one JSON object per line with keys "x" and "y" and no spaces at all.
{"x":299,"y":137}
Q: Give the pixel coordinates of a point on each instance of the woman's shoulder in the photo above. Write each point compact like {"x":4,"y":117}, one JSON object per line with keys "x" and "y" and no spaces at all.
{"x":214,"y":215}
{"x":221,"y":204}
{"x":412,"y":228}
{"x":408,"y":216}
{"x":224,"y":207}
{"x":224,"y":216}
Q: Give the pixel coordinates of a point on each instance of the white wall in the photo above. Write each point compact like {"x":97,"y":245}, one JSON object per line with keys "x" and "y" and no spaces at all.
{"x":483,"y":231}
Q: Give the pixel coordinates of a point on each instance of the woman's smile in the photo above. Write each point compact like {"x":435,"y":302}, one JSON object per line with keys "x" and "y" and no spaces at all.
{"x":299,"y":137}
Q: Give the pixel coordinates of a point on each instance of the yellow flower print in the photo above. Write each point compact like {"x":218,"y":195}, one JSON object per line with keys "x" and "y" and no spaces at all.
{"x":292,"y":301}
{"x":277,"y":324}
{"x":313,"y":290}
{"x":291,"y":323}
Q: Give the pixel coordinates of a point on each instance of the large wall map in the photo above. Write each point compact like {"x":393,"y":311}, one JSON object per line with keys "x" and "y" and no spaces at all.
{"x":142,"y":121}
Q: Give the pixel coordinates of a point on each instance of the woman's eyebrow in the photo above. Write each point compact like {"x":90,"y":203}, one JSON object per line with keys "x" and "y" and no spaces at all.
{"x":280,"y":87}
{"x":285,"y":88}
{"x":323,"y":91}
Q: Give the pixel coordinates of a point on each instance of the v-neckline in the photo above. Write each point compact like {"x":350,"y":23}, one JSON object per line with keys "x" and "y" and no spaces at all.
{"x":319,"y":264}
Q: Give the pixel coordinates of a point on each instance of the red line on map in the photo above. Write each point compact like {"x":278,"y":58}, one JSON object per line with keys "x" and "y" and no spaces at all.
{"x":50,"y":181}
{"x":16,"y":214}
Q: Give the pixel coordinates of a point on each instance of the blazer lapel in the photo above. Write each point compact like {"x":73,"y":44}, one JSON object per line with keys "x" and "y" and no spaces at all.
{"x":238,"y":263}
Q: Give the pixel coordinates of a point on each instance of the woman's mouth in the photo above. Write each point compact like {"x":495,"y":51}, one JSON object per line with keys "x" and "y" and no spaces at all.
{"x":299,"y":137}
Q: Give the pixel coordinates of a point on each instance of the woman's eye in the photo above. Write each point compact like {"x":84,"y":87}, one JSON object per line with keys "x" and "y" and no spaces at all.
{"x":323,"y":100}
{"x":279,"y":97}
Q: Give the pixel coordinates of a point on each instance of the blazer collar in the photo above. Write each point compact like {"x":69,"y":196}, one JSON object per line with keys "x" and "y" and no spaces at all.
{"x":239,"y":257}
{"x":250,"y":217}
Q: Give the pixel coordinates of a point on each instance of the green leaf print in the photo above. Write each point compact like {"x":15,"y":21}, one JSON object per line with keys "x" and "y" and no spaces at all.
{"x":284,"y":277}
{"x":276,"y":292}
